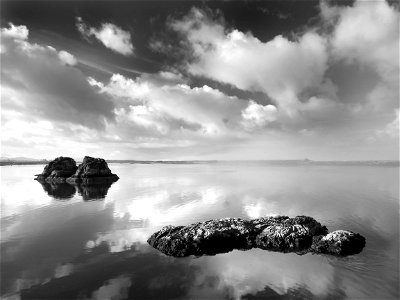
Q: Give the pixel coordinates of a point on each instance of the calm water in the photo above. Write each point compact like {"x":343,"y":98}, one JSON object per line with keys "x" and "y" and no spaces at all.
{"x":91,"y":243}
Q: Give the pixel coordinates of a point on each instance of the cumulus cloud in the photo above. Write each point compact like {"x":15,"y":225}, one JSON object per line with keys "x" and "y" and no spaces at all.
{"x":160,"y":102}
{"x":293,"y":72}
{"x":257,"y":116}
{"x":110,"y":35}
{"x":20,"y":32}
{"x":367,"y":32}
{"x":67,"y":58}
{"x":279,"y":67}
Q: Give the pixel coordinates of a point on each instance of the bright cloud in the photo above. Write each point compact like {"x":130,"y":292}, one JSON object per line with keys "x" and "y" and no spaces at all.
{"x":278,"y":67}
{"x":67,"y":58}
{"x":367,"y":32}
{"x":16,"y":32}
{"x":256,"y":115}
{"x":110,"y":35}
{"x":173,"y":108}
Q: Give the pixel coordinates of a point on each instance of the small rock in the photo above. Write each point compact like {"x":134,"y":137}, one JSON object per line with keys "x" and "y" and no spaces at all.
{"x":339,"y":242}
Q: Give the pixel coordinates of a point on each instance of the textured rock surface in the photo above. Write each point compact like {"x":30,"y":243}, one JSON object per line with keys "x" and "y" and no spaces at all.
{"x":300,"y":234}
{"x":339,"y":242}
{"x":58,"y":170}
{"x":93,"y":170}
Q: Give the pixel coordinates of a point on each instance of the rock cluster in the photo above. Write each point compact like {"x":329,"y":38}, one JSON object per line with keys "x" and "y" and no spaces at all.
{"x":301,"y":234}
{"x":64,"y":169}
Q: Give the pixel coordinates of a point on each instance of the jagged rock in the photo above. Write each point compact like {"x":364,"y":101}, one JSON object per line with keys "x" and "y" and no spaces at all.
{"x":58,"y":170}
{"x":93,"y":170}
{"x":300,"y":234}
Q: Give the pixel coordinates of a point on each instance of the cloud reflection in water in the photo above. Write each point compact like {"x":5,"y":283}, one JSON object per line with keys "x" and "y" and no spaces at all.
{"x":103,"y":243}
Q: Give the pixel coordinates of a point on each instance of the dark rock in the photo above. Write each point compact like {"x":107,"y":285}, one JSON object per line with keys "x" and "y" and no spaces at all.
{"x":289,"y":235}
{"x":93,"y":170}
{"x":339,"y":242}
{"x":300,"y":234}
{"x":58,"y":170}
{"x":90,"y":171}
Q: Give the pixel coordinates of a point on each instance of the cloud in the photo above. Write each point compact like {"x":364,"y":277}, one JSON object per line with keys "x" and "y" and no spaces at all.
{"x":322,"y":90}
{"x":67,"y":58}
{"x":44,"y":84}
{"x":366,"y":32}
{"x":279,"y":67}
{"x":161,"y":103}
{"x":16,"y":32}
{"x":257,"y":116}
{"x":392,"y":129}
{"x":300,"y":74}
{"x":110,"y":35}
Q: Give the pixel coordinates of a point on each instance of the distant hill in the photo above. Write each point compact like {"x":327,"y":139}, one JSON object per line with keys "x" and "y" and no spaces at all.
{"x":4,"y":161}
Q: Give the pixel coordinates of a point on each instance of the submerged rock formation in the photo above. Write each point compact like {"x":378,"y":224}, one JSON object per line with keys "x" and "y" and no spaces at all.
{"x":91,"y":170}
{"x":300,"y":234}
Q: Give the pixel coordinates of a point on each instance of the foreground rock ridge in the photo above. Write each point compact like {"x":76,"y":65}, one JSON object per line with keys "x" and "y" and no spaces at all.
{"x":64,"y":169}
{"x":301,"y":235}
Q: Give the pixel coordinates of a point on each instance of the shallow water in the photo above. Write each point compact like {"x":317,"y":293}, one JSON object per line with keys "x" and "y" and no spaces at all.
{"x":91,"y":244}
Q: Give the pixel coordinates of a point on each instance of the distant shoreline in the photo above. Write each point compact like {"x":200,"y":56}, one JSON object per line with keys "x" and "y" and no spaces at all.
{"x":392,"y":163}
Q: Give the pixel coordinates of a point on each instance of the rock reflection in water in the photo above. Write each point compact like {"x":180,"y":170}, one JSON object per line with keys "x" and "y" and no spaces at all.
{"x":93,"y":191}
{"x":88,"y":190}
{"x":59,"y":191}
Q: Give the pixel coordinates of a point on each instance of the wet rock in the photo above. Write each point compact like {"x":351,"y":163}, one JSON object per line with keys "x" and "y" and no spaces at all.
{"x":339,"y":242}
{"x":93,"y":170}
{"x":58,"y":170}
{"x":301,"y":234}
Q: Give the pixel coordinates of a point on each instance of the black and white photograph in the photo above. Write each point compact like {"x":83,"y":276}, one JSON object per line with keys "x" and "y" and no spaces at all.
{"x":171,"y":149}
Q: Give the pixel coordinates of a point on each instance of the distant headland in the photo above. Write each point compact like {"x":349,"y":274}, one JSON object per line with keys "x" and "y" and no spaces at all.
{"x":290,"y":162}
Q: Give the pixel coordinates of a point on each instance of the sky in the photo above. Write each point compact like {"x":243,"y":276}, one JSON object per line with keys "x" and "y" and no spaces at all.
{"x":200,"y":80}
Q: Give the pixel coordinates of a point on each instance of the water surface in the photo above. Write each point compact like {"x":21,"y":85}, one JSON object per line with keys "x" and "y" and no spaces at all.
{"x":90,"y":243}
